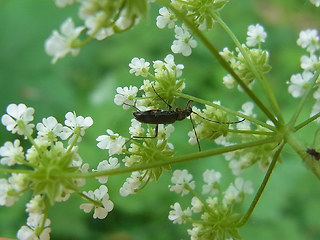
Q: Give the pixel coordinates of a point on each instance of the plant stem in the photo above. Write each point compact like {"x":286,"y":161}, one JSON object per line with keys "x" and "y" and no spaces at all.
{"x":175,"y":160}
{"x":246,"y":217}
{"x":306,"y":122}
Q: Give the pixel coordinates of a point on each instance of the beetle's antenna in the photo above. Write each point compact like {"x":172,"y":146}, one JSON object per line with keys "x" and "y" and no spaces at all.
{"x":170,"y":107}
{"x":218,"y":121}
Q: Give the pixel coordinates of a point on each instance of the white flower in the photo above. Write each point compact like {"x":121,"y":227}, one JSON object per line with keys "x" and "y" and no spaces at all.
{"x":131,"y":184}
{"x":18,"y":182}
{"x":236,"y":191}
{"x":99,"y":195}
{"x":76,"y":123}
{"x":165,"y":18}
{"x":59,"y":45}
{"x":181,"y":178}
{"x":126,"y":96}
{"x":94,"y":23}
{"x":316,"y":106}
{"x":64,"y":3}
{"x":309,"y":63}
{"x":299,"y":83}
{"x":212,"y":178}
{"x":139,"y":67}
{"x":11,"y":153}
{"x":135,"y":129}
{"x":49,"y":129}
{"x":197,"y":205}
{"x":113,"y":142}
{"x":161,"y":67}
{"x":112,"y":163}
{"x":309,"y":39}
{"x":16,"y":113}
{"x":177,"y":215}
{"x":34,"y":222}
{"x":35,"y":205}
{"x":184,"y":42}
{"x":170,"y":64}
{"x":5,"y":198}
{"x":228,"y":81}
{"x":315,"y":2}
{"x":256,"y":35}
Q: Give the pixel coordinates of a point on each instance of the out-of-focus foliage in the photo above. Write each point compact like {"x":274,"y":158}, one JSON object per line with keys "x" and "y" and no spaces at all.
{"x":289,"y":208}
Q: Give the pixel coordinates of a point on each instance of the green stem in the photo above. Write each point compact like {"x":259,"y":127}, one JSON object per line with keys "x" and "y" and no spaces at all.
{"x":250,"y":132}
{"x":261,"y":78}
{"x":8,"y":170}
{"x":175,"y":160}
{"x":227,"y":110}
{"x":306,"y":122}
{"x":97,"y":203}
{"x":221,"y":60}
{"x":303,"y":100}
{"x":246,"y":217}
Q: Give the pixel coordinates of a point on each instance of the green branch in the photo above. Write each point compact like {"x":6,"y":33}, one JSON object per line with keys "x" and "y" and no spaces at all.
{"x":275,"y":158}
{"x":175,"y":160}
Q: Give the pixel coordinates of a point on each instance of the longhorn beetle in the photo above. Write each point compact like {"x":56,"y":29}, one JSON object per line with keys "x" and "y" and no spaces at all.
{"x":170,"y":116}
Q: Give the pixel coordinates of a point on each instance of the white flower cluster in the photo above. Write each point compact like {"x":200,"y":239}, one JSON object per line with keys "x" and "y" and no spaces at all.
{"x":216,"y":211}
{"x":47,"y":165}
{"x":310,"y":41}
{"x":259,"y":58}
{"x":101,"y":19}
{"x":184,"y":41}
{"x":315,"y":2}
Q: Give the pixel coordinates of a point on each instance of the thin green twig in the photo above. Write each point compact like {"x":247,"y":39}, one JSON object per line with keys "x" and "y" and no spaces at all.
{"x":275,"y":158}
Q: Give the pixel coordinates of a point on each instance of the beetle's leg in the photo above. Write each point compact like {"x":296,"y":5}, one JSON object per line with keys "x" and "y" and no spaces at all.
{"x":195,"y":133}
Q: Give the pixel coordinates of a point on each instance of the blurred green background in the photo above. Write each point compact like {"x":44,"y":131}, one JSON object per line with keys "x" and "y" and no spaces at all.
{"x":289,"y":208}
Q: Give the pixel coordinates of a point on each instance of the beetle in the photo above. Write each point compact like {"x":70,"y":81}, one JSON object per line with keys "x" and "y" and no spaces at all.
{"x":159,"y":116}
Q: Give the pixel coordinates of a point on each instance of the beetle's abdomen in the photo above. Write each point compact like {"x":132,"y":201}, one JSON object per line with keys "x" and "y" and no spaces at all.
{"x":156,"y":116}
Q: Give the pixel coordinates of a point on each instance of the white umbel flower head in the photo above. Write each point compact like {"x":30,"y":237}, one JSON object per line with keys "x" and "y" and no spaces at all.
{"x":16,"y":113}
{"x":63,"y":3}
{"x":177,"y":215}
{"x":11,"y":153}
{"x":99,"y":195}
{"x":139,"y":67}
{"x":59,"y":45}
{"x":126,"y":96}
{"x":315,"y":2}
{"x":309,"y":63}
{"x":299,"y":83}
{"x":212,"y":179}
{"x":113,"y":142}
{"x":184,"y":42}
{"x":76,"y":124}
{"x":309,"y":39}
{"x":34,"y":222}
{"x":181,"y":179}
{"x":165,"y":18}
{"x":49,"y":129}
{"x":256,"y":35}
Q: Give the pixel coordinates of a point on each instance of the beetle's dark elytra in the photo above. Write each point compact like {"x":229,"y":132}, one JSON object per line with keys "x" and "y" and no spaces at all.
{"x":162,"y":116}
